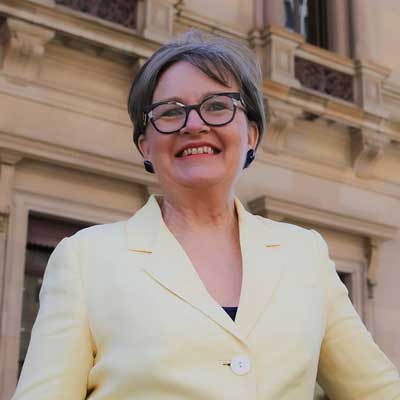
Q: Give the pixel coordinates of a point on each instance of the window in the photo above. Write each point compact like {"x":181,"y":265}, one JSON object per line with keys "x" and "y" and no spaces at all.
{"x":309,"y":18}
{"x":346,"y":278}
{"x":121,"y":12}
{"x":43,"y":235}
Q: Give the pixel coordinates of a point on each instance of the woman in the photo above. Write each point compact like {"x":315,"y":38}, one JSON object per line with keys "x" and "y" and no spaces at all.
{"x":135,"y":309}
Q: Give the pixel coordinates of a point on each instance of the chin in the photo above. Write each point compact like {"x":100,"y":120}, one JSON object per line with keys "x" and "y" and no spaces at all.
{"x":201,"y":180}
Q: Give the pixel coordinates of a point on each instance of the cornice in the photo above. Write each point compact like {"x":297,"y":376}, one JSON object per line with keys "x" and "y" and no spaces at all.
{"x":276,"y":30}
{"x":286,"y":210}
{"x":391,"y":90}
{"x":330,"y":108}
{"x":325,"y":171}
{"x":68,"y":100}
{"x":374,"y":68}
{"x":74,"y":159}
{"x":86,"y":27}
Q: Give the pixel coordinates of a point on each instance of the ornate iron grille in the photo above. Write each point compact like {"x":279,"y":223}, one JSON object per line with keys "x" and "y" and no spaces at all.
{"x":122,"y":12}
{"x":323,"y":79}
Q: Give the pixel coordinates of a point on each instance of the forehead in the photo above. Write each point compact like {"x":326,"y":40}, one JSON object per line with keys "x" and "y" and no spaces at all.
{"x":184,"y":81}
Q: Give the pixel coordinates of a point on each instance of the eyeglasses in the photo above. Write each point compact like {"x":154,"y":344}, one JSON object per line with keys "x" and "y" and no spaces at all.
{"x":171,"y":116}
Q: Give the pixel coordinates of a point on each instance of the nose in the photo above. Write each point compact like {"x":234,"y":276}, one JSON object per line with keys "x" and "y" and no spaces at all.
{"x":194,"y":124}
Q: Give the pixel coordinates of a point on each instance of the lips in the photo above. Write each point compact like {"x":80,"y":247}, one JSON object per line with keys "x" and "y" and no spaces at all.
{"x":191,"y":149}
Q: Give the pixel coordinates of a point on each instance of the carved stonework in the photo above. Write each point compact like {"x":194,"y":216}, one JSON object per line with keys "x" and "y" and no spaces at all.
{"x":369,"y":79}
{"x":256,"y":39}
{"x":121,"y":12}
{"x":8,"y":161}
{"x":3,"y":223}
{"x":323,"y":79}
{"x":156,"y":19}
{"x":367,"y":147}
{"x":23,"y":48}
{"x":373,"y":265}
{"x":278,"y":53}
{"x":282,"y":118}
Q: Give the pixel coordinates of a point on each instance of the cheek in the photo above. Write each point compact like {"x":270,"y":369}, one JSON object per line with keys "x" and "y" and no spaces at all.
{"x":159,"y":146}
{"x":238,"y":138}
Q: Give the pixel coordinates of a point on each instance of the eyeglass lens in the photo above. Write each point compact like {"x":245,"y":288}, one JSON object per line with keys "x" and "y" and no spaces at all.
{"x":171,"y":117}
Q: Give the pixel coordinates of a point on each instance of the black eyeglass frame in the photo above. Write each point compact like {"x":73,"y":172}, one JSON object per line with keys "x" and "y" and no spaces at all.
{"x":236,"y":100}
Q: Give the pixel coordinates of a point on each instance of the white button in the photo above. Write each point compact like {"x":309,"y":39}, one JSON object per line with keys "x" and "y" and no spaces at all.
{"x":240,"y":365}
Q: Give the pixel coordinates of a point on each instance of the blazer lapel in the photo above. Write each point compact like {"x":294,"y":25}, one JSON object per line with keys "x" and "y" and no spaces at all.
{"x":158,"y":253}
{"x":263,"y":264}
{"x":154,"y":249}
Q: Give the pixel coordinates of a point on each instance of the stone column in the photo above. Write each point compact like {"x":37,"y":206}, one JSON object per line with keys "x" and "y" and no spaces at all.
{"x":360,"y":32}
{"x":3,"y":238}
{"x":7,"y":341}
{"x":369,"y":78}
{"x":373,"y":267}
{"x":280,"y":54}
{"x":274,"y":13}
{"x":373,"y":247}
{"x":155,"y":19}
{"x":369,"y":75}
{"x":268,"y":15}
{"x":339,"y":26}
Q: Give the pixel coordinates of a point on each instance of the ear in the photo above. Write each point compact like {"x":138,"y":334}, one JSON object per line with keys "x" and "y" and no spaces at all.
{"x":253,"y":135}
{"x":143,"y":146}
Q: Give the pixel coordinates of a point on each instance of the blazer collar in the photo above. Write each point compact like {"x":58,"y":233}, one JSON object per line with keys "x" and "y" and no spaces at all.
{"x":154,"y":248}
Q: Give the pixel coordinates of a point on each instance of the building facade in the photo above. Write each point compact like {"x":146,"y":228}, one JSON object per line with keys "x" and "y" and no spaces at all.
{"x":330,"y":158}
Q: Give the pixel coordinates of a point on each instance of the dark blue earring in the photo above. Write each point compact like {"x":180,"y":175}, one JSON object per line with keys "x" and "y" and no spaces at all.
{"x":251,"y":155}
{"x":148,"y":166}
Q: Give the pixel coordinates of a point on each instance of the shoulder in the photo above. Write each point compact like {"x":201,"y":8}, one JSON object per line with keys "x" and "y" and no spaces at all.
{"x":98,"y":238}
{"x":283,"y":230}
{"x":303,"y":249}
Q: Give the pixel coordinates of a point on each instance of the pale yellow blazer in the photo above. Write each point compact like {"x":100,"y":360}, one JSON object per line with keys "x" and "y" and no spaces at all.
{"x":124,"y":315}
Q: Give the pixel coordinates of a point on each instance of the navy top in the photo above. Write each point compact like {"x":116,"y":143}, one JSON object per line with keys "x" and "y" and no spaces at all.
{"x":231,"y":311}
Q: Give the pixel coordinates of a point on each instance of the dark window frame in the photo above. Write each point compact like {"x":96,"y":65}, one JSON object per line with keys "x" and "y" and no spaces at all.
{"x":315,"y":20}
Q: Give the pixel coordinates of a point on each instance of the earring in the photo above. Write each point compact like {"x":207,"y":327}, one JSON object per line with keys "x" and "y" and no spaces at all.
{"x":251,"y":155}
{"x":148,"y":166}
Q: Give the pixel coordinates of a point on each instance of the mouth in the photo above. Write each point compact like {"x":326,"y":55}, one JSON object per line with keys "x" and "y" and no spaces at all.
{"x":192,"y":151}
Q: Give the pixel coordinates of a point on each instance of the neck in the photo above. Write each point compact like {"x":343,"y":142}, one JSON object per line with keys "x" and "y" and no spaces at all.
{"x":196,"y":210}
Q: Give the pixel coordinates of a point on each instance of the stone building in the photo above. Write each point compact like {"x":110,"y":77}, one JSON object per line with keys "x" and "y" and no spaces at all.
{"x":329,"y":160}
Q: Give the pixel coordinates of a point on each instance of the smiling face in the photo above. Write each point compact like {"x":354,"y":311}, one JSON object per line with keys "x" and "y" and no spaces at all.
{"x":199,"y":156}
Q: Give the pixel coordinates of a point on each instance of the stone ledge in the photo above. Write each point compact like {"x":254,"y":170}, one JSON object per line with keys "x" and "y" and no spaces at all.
{"x":101,"y":33}
{"x":267,"y":206}
{"x":32,"y":149}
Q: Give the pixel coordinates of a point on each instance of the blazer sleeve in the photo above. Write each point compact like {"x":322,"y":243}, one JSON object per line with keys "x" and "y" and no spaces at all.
{"x":60,"y":352}
{"x":351,"y":366}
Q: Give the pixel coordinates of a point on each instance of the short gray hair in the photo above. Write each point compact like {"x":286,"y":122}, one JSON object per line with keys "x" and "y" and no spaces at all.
{"x":216,"y":57}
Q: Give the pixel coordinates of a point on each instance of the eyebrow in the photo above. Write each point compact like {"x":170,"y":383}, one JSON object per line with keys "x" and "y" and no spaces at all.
{"x":180,"y":100}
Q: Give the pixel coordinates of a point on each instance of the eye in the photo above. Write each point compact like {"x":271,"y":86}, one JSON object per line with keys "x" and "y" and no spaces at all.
{"x":215,"y":105}
{"x":168,"y":111}
{"x":172,"y":112}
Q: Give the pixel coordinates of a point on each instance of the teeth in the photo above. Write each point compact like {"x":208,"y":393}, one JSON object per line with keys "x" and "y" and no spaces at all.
{"x":198,"y":150}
